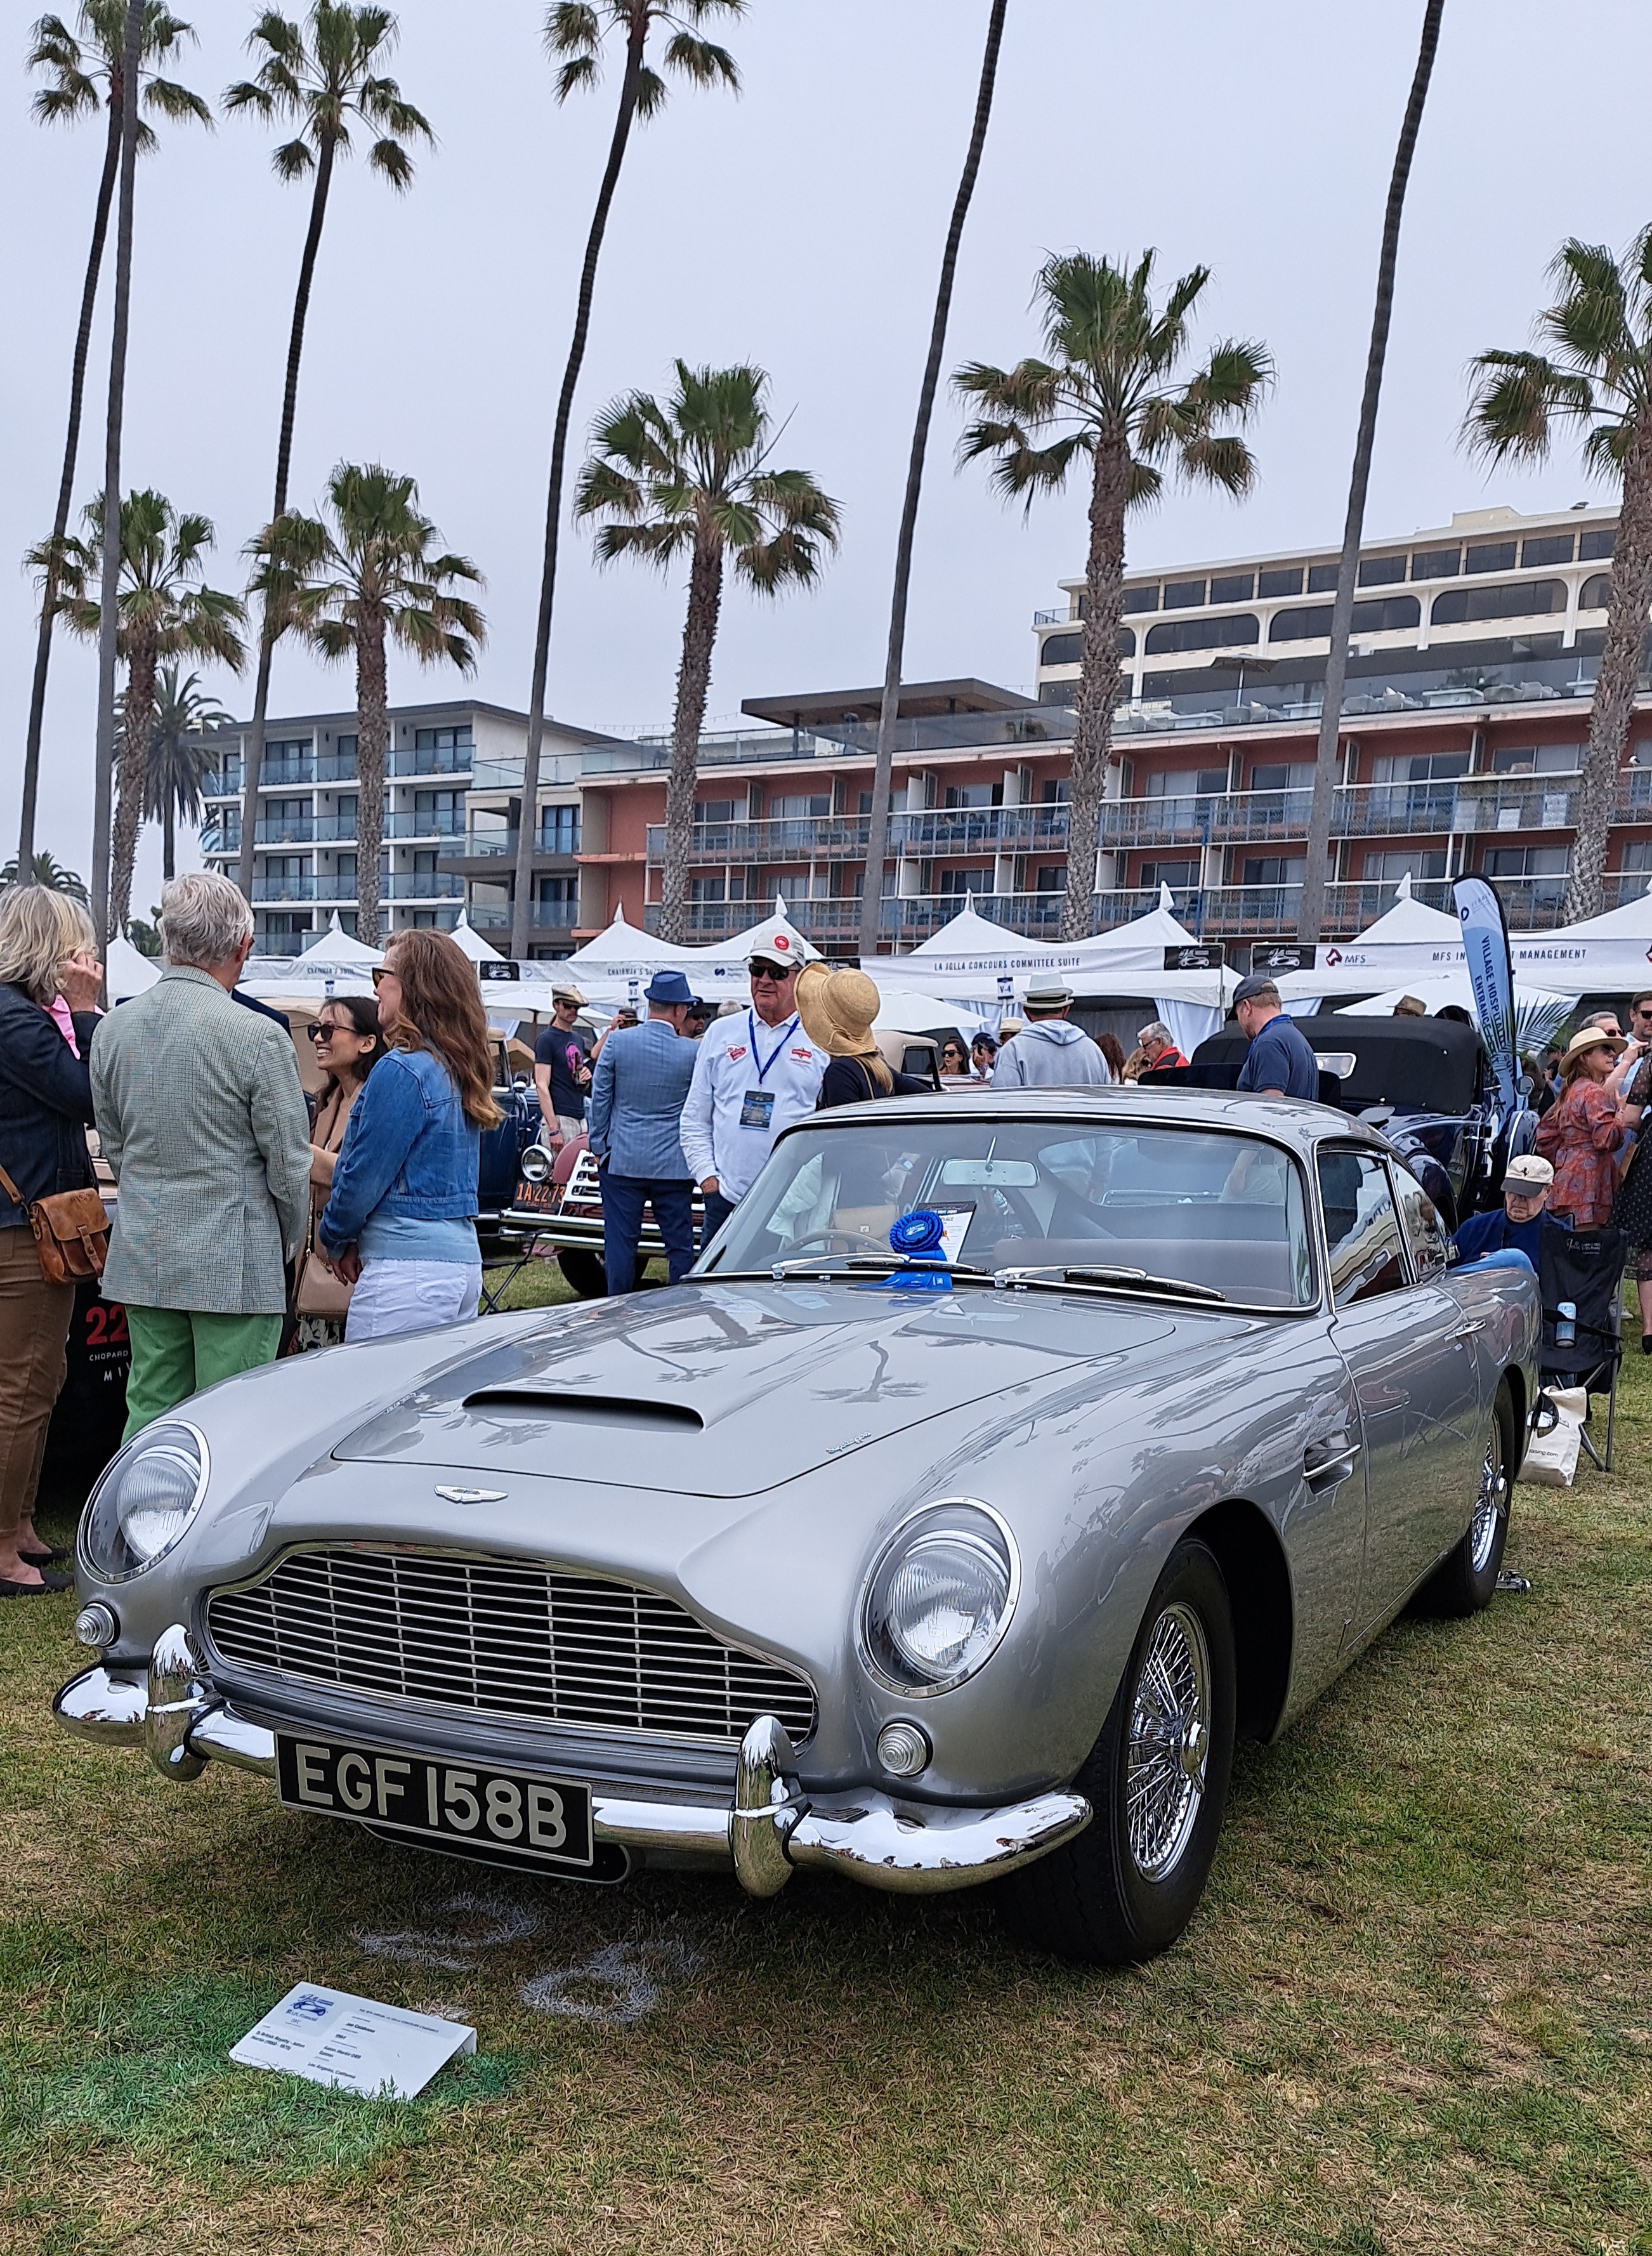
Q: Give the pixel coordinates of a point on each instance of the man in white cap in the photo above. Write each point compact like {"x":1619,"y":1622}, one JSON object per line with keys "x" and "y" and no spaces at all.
{"x":1519,"y":1221}
{"x":562,"y":1069}
{"x":757,"y":1072}
{"x":1049,"y":1051}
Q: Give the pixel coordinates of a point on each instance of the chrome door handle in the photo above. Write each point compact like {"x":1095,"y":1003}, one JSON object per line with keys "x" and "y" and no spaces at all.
{"x":1328,"y":1465}
{"x":1469,"y":1327}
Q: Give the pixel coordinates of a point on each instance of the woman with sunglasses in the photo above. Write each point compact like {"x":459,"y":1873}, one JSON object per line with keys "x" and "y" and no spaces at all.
{"x":399,"y":1221}
{"x":348,"y":1046}
{"x":954,"y":1060}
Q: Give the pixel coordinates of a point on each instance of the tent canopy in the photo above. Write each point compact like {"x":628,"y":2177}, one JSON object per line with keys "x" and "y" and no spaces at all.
{"x":128,"y":973}
{"x":475,"y":947}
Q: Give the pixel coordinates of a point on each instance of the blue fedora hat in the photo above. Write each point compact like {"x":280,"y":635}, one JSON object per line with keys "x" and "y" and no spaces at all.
{"x":669,"y":987}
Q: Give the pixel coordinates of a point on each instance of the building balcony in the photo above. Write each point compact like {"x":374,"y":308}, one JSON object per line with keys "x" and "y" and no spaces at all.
{"x":488,"y":843}
{"x":402,"y":760}
{"x":420,"y":886}
{"x":782,"y":838}
{"x":543,"y":916}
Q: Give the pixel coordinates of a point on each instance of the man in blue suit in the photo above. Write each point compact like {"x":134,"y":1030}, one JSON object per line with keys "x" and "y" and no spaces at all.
{"x":637,"y":1097}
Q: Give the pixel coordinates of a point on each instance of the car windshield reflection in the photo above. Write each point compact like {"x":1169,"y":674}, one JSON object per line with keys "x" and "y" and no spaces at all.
{"x":1227,"y":1214}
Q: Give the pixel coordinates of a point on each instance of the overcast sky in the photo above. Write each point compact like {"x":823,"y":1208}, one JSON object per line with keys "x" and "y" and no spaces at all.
{"x":801,"y":226}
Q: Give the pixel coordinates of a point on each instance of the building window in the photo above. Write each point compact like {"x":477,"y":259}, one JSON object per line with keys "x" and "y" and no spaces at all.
{"x":1066,"y":649}
{"x":1597,"y":544}
{"x":563,"y":893}
{"x":1419,"y":767}
{"x":1491,"y":556}
{"x":1142,"y":599}
{"x":1273,"y":869}
{"x":281,"y":925}
{"x":1525,"y":861}
{"x":795,"y":805}
{"x":1236,"y":588}
{"x":439,"y":740}
{"x":1595,"y":595}
{"x":1179,"y":876}
{"x":344,"y":868}
{"x":959,"y":795}
{"x":1055,"y":791}
{"x":1232,"y":630}
{"x":1381,"y":571}
{"x":1282,"y":775}
{"x":1183,"y":783}
{"x":1379,"y":615}
{"x":1523,"y":599}
{"x":705,"y":810}
{"x":559,"y":829}
{"x":1538,"y":759}
{"x":1283,"y":580}
{"x":1388,"y":869}
{"x":1436,"y":564}
{"x":708,"y":889}
{"x":960,"y":882}
{"x":1183,"y":594}
{"x":1052,"y":878}
{"x":794,"y":886}
{"x":1637,"y":855}
{"x":1322,"y":579}
{"x":1547,"y":548}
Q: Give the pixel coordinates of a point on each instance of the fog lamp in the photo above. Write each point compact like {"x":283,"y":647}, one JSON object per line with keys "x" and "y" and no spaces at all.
{"x":95,"y":1626}
{"x":903,"y":1748}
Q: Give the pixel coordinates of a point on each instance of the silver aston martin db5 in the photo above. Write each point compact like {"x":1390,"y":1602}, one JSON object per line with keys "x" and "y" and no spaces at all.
{"x":997,"y":1464}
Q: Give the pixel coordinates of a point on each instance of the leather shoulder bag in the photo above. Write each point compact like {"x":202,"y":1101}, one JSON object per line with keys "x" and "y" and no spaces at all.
{"x":71,"y":1231}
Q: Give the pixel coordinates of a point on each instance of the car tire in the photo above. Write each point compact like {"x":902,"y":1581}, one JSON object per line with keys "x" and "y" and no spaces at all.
{"x":1123,"y":1891}
{"x":584,"y":1271}
{"x":1465,"y":1579}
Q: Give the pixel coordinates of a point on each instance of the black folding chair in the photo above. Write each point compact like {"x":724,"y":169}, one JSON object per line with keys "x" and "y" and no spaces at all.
{"x":1582,"y":1270}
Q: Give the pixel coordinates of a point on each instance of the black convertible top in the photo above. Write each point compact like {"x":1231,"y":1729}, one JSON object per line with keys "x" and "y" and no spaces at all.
{"x":1416,"y":1065}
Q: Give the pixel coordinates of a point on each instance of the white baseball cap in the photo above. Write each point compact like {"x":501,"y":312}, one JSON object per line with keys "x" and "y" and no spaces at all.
{"x":1529,"y":1173}
{"x":777,"y":943}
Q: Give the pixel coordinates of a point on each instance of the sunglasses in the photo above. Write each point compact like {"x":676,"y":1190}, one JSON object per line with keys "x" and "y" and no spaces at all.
{"x":321,"y":1034}
{"x":768,"y":971}
{"x":382,"y":971}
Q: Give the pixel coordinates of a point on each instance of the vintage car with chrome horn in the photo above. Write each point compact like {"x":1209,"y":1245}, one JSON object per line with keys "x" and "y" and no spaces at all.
{"x":996,"y":1466}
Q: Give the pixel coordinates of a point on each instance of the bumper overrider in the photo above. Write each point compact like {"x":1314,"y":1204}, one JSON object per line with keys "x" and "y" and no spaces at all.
{"x":771,"y":1828}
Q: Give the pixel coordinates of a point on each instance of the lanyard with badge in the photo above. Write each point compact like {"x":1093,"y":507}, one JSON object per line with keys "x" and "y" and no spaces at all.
{"x":757,"y":1106}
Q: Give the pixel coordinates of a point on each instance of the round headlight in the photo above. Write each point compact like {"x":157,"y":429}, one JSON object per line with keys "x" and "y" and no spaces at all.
{"x":940,"y":1597}
{"x":146,"y":1499}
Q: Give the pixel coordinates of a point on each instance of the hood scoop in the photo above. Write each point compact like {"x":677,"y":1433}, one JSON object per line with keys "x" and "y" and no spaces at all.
{"x":615,"y":1412}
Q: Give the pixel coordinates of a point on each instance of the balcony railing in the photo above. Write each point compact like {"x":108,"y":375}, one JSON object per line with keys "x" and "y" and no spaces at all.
{"x":420,"y":886}
{"x":501,"y":845}
{"x":543,"y":916}
{"x":779,"y":838}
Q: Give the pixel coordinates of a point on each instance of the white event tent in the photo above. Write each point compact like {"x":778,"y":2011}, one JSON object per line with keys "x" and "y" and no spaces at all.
{"x":1603,"y":955}
{"x":464,"y":936}
{"x":1407,"y":942}
{"x":126,"y":972}
{"x":335,"y":963}
{"x":965,"y":960}
{"x":621,"y":959}
{"x":1539,"y":1014}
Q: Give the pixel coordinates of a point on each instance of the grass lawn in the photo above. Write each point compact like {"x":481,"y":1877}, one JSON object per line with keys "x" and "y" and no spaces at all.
{"x":1413,"y":2014}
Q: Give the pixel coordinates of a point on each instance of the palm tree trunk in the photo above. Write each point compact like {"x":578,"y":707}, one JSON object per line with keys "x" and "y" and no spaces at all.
{"x":371,"y":730}
{"x":1311,"y":915}
{"x":694,"y":677}
{"x":888,"y":712}
{"x":66,"y":489}
{"x":169,"y":839}
{"x":1098,"y":683}
{"x":136,"y":725}
{"x":283,"y":465}
{"x":1613,"y":702}
{"x":528,"y":822}
{"x":103,"y":772}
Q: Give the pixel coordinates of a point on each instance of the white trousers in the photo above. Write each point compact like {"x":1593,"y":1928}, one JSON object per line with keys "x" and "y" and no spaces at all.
{"x":412,"y":1296}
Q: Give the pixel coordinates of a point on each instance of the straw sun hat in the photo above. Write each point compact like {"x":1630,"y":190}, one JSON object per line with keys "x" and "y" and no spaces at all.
{"x":1590,"y":1038}
{"x":837,"y":1009}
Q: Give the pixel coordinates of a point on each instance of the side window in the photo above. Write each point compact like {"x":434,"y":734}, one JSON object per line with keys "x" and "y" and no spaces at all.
{"x":1430,"y":1248}
{"x":1362,"y":1229}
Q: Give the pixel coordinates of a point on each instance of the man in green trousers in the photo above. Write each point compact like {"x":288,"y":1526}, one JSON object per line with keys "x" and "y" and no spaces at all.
{"x":202,"y":1118}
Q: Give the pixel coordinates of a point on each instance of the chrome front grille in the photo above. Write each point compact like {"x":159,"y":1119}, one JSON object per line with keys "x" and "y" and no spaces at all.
{"x":505,"y":1638}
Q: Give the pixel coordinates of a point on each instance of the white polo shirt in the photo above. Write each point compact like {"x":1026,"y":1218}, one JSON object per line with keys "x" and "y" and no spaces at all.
{"x":750,"y":1082}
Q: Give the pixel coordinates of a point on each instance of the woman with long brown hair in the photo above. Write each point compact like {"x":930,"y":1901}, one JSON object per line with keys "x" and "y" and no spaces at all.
{"x":348,"y":1046}
{"x":399,"y":1221}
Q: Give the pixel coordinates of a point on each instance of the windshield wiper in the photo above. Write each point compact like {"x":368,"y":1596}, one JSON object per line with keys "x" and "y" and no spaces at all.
{"x":817,"y":1265}
{"x":1106,"y":1277}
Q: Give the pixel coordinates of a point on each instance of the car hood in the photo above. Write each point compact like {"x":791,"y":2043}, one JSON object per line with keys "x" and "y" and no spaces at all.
{"x":727,"y":1391}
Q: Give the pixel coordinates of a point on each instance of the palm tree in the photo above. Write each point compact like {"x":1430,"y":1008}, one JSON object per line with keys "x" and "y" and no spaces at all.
{"x":883,"y":765}
{"x":574,"y":32}
{"x":1597,"y":375}
{"x":370,"y":577}
{"x":84,"y":76}
{"x":1311,"y":909}
{"x":162,"y":610}
{"x":47,"y":871}
{"x":1113,"y":389}
{"x":321,"y":82}
{"x":687,"y":478}
{"x":178,"y":761}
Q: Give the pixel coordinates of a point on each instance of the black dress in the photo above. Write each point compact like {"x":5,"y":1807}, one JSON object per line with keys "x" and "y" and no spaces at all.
{"x":1633,"y":1211}
{"x":847,"y":1081}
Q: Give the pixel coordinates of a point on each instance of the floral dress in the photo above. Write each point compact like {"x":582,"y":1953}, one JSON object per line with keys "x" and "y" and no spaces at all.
{"x":1580,"y":1136}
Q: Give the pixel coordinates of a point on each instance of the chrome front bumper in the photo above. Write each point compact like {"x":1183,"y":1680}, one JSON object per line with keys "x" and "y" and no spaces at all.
{"x":769,"y":1831}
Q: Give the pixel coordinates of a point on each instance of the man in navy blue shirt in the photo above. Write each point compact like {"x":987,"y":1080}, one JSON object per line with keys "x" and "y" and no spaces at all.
{"x":1519,"y":1221}
{"x":1280,"y":1061}
{"x":637,"y":1097}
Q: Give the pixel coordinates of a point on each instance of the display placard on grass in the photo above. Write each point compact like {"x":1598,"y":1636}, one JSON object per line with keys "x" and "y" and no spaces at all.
{"x":328,"y":2036}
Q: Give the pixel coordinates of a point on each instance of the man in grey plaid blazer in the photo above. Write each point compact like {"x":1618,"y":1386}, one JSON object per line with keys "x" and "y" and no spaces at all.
{"x":637,"y":1096}
{"x":202,"y":1118}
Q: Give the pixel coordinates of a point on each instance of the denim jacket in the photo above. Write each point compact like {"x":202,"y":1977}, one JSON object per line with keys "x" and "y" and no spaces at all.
{"x":45,"y":1103}
{"x":410,"y":1150}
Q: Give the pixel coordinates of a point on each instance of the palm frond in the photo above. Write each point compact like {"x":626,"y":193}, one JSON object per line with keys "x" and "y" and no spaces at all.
{"x":574,"y":77}
{"x":702,"y":62}
{"x":180,"y":103}
{"x":571,"y":28}
{"x":655,"y":543}
{"x":651,"y":94}
{"x":391,"y":162}
{"x":1226,"y":463}
{"x":1029,"y":393}
{"x":1515,"y":399}
{"x":293,"y":160}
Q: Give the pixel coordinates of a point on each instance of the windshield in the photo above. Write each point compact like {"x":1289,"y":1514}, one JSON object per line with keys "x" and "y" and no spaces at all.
{"x":1223,"y":1212}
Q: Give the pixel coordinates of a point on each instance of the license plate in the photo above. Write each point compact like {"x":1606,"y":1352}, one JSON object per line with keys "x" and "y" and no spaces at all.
{"x":538,"y":1198}
{"x":505,"y":1814}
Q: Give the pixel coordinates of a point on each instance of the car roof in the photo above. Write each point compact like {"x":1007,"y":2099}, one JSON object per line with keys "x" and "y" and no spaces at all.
{"x":1284,"y":1119}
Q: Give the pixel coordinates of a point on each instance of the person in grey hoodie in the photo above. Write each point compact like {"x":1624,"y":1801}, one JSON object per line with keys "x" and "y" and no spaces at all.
{"x":1049,"y":1051}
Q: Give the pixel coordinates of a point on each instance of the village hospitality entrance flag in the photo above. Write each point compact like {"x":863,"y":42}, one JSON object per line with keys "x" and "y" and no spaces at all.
{"x":1491,"y":978}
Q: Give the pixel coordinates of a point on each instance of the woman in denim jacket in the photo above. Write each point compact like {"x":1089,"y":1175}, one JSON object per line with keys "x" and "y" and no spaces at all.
{"x":398,"y":1224}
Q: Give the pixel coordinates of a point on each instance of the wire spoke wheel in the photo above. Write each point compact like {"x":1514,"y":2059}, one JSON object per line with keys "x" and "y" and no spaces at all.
{"x":1490,"y":1505}
{"x":1170,"y":1738}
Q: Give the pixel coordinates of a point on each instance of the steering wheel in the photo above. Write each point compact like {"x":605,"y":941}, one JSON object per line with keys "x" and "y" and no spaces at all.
{"x":1017,"y":1209}
{"x":830,"y":1241}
